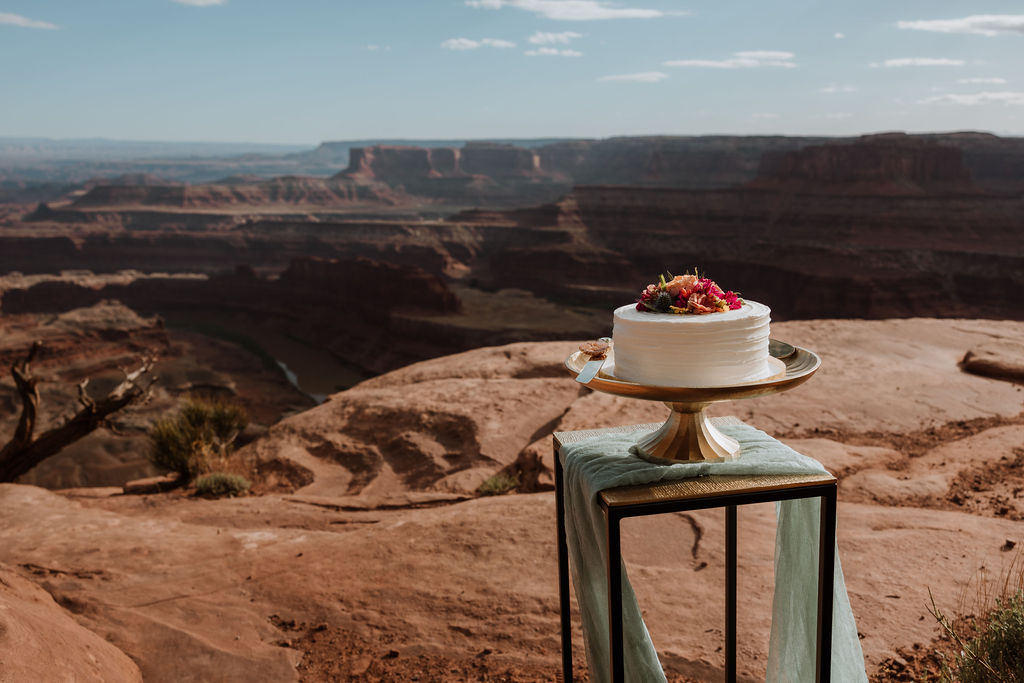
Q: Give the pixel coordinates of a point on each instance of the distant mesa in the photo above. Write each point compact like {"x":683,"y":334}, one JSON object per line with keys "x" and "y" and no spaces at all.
{"x":892,"y":164}
{"x":493,"y":160}
{"x":288,"y":190}
{"x":440,"y":177}
{"x":148,"y":179}
{"x":885,"y":164}
{"x":243,"y":179}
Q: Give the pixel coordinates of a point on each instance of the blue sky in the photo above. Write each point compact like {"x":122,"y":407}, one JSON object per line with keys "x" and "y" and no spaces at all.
{"x":303,"y":71}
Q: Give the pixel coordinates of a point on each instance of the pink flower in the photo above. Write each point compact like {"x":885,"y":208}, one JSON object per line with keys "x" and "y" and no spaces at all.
{"x":708,"y":286}
{"x":732,"y":300}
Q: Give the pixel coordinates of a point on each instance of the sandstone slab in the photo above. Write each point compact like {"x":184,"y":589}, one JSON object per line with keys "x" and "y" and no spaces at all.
{"x":41,"y":641}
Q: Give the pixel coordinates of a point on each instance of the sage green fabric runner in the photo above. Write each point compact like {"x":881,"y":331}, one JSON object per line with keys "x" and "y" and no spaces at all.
{"x":604,"y":462}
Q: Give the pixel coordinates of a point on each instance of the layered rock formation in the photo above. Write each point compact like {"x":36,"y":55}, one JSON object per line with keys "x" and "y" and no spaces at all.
{"x":478,"y":173}
{"x":371,"y":315}
{"x":286,"y":190}
{"x":819,"y":255}
{"x":887,"y":226}
{"x":874,"y":166}
{"x":884,"y":226}
{"x":703,"y":162}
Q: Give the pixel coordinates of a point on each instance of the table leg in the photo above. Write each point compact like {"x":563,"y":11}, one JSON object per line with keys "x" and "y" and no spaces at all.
{"x":616,"y":664}
{"x":730,"y":593}
{"x":826,"y":574}
{"x":563,"y":573}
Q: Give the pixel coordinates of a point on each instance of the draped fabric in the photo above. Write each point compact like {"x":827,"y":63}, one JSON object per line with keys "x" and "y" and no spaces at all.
{"x":605,"y":461}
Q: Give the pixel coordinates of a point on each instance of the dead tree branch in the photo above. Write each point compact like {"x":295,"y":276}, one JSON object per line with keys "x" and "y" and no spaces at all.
{"x":24,"y":451}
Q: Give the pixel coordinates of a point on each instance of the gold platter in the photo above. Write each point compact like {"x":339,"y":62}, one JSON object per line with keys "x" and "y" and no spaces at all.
{"x":687,"y":435}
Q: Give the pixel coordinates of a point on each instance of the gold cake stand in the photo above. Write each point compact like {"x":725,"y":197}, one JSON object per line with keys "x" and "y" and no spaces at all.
{"x":688,"y":435}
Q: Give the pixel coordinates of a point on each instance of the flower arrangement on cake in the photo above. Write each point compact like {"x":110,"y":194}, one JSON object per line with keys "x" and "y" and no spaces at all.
{"x":688,"y":294}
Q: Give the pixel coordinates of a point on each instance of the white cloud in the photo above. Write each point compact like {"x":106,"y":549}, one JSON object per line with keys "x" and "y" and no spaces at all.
{"x":919,"y":61}
{"x":839,"y":115}
{"x":749,"y":59}
{"x":839,"y":88}
{"x":642,"y":77}
{"x":552,"y":52}
{"x":573,"y":10}
{"x":764,"y":115}
{"x":542,"y":38}
{"x":995,"y":81}
{"x":470,"y":44}
{"x":978,"y":24}
{"x":460,"y":44}
{"x":839,"y":36}
{"x":201,"y":3}
{"x":375,"y":48}
{"x":764,"y":54}
{"x":974,"y":99}
{"x":24,"y":22}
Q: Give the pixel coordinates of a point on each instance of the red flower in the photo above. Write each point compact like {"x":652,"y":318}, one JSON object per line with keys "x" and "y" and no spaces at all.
{"x":647,"y":297}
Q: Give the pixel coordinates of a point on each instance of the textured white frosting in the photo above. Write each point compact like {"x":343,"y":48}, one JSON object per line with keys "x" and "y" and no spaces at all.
{"x":712,"y":350}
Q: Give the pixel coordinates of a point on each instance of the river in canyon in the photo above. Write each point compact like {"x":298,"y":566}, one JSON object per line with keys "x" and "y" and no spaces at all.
{"x":313,"y":370}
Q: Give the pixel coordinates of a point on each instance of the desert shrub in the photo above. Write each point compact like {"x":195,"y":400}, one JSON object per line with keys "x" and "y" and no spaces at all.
{"x":195,"y":440}
{"x":996,"y":652}
{"x":220,"y":484}
{"x":500,"y":483}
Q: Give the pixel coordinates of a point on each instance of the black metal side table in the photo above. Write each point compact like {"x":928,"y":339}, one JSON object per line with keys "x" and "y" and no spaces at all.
{"x":696,"y":494}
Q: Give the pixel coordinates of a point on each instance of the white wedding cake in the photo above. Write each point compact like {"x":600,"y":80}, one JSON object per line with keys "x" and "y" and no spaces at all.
{"x":716,"y":349}
{"x":687,"y":332}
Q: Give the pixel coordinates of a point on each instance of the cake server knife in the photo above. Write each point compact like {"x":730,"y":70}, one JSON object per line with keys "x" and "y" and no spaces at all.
{"x":592,"y":367}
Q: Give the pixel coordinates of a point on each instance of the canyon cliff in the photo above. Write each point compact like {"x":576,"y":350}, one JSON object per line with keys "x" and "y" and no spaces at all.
{"x":880,"y":163}
{"x":885,"y":226}
{"x":876,"y":165}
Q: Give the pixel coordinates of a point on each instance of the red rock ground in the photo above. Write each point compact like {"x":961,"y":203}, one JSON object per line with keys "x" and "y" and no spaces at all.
{"x":385,"y":567}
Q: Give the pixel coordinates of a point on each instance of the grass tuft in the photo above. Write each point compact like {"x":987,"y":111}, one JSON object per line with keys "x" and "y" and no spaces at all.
{"x":498,"y":484}
{"x":987,"y":638}
{"x":220,"y":484}
{"x":198,"y":439}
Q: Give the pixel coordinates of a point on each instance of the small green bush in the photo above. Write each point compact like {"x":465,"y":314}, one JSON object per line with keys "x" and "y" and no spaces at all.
{"x":500,"y":483}
{"x":220,"y":484}
{"x":996,"y":653}
{"x":201,"y":434}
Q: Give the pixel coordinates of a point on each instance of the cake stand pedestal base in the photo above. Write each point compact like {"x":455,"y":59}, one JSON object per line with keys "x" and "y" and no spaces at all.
{"x":687,"y":436}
